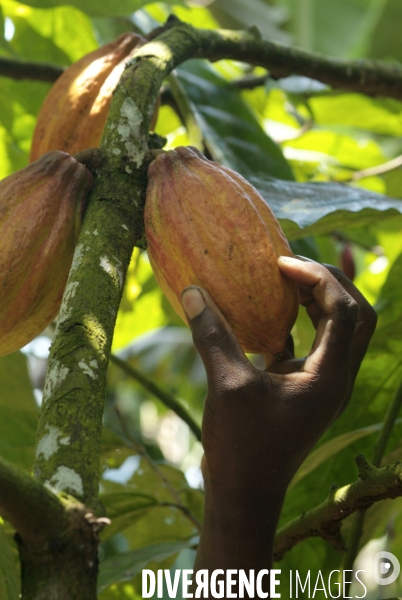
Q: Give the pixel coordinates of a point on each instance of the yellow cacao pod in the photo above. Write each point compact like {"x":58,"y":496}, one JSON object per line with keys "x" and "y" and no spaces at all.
{"x":41,"y":210}
{"x":206,"y":225}
{"x":74,"y":113}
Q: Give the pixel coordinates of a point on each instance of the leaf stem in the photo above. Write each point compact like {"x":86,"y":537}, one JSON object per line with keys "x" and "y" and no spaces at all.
{"x":167,"y":399}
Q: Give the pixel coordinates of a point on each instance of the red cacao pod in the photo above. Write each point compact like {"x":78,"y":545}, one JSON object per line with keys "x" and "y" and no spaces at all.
{"x":74,"y":113}
{"x":206,"y":225}
{"x":41,"y":210}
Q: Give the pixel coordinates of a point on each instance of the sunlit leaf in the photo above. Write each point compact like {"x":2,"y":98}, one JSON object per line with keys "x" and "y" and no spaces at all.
{"x":379,"y":115}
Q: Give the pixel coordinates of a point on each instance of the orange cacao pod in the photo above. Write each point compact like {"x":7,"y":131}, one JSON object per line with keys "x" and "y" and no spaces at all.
{"x":41,"y":210}
{"x":206,"y":225}
{"x":74,"y":113}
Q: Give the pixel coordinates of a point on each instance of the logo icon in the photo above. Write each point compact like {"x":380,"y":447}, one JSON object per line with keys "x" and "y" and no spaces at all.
{"x":386,"y":568}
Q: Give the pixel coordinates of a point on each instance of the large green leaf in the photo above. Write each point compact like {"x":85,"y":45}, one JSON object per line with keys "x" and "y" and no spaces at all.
{"x":329,"y":449}
{"x":95,"y":8}
{"x":9,"y":578}
{"x":18,"y":411}
{"x":316,"y":208}
{"x":231,"y":131}
{"x":125,"y":566}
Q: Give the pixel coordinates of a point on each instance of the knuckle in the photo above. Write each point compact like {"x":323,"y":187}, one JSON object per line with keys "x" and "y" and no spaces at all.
{"x":347,"y":307}
{"x":215,"y":335}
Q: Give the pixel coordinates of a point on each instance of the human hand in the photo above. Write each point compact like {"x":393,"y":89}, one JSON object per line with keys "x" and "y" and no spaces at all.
{"x":258,"y":425}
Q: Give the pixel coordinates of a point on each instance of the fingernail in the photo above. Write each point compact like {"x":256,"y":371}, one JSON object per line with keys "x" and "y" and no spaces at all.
{"x":289,"y":259}
{"x":193,"y":301}
{"x":304,"y":258}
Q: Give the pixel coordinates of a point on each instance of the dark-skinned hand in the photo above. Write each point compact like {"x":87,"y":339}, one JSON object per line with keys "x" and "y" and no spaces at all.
{"x":259,"y":426}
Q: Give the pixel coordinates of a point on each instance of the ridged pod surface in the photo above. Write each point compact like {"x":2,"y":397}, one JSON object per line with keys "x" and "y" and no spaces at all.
{"x":41,"y":211}
{"x":74,"y":113}
{"x":206,"y":225}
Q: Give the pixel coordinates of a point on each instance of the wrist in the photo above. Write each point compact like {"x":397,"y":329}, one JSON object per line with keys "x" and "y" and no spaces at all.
{"x":238,"y":530}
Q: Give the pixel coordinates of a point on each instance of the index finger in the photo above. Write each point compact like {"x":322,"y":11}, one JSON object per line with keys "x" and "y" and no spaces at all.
{"x":332,"y":348}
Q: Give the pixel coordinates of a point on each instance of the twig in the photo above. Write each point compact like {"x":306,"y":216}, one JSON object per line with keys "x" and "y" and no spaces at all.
{"x":168,"y":399}
{"x":325,"y":519}
{"x":386,"y":167}
{"x":17,"y":69}
{"x":379,"y":449}
{"x":140,"y":448}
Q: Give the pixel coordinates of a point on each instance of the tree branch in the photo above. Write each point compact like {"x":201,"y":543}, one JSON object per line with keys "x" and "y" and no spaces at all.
{"x":17,"y":69}
{"x":374,"y":78}
{"x":167,"y":399}
{"x":34,"y":512}
{"x":325,"y":519}
{"x":371,"y":77}
{"x":379,"y":449}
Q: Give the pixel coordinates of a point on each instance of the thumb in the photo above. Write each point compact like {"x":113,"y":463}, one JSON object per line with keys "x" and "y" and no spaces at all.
{"x":213,"y":337}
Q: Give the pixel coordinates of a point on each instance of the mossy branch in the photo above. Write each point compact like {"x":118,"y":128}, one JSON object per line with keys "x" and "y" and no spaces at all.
{"x":372,"y":77}
{"x":33,"y":511}
{"x":325,"y":519}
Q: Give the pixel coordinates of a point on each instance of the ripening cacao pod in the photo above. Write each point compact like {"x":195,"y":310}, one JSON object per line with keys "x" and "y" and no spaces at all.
{"x":74,"y":113}
{"x":41,"y":210}
{"x":206,"y":225}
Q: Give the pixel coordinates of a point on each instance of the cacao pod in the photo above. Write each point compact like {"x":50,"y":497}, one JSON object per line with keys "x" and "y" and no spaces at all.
{"x":74,"y":113}
{"x":206,"y":225}
{"x":41,"y":210}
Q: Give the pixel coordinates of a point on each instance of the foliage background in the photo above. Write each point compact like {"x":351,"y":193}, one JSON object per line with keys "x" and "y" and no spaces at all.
{"x":291,"y":129}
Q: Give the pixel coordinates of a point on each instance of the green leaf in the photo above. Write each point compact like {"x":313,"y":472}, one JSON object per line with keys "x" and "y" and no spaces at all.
{"x":329,"y":449}
{"x":94,"y":8}
{"x":124,"y":567}
{"x":232,"y":133}
{"x":316,"y":208}
{"x":9,"y":577}
{"x":123,"y":508}
{"x":18,"y":411}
